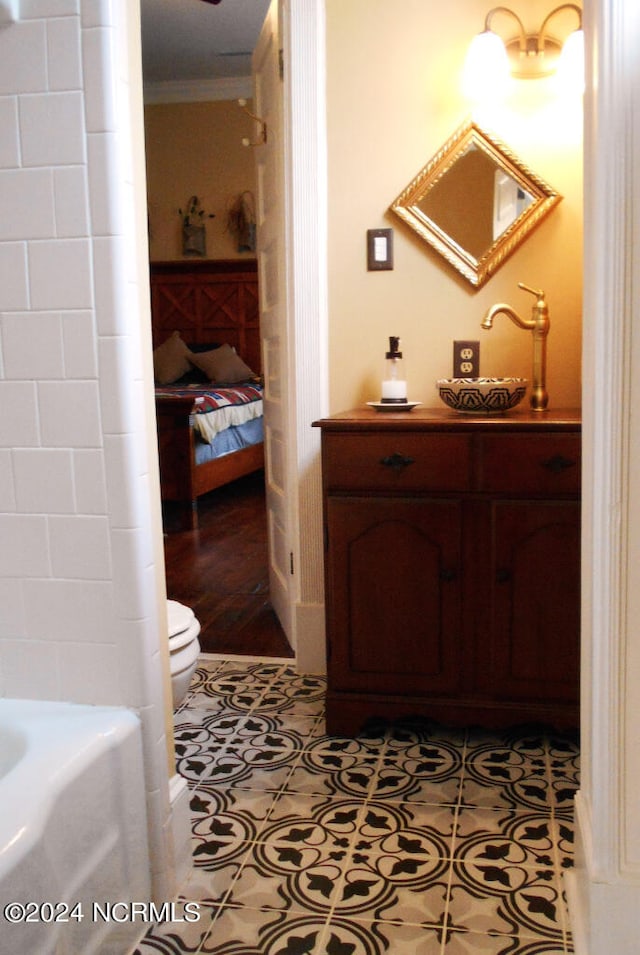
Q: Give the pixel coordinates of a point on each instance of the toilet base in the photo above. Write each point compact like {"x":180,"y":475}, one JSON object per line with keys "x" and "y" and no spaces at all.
{"x":183,"y":665}
{"x":184,"y":650}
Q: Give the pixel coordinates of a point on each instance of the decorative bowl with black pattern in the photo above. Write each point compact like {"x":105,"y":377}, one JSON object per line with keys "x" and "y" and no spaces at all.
{"x":482,"y":395}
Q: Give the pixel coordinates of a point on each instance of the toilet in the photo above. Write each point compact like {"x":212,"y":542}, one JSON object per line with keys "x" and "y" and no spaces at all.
{"x":184,"y":648}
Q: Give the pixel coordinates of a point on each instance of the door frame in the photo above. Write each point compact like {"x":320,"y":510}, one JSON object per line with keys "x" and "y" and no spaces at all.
{"x":305,"y":146}
{"x":604,"y":887}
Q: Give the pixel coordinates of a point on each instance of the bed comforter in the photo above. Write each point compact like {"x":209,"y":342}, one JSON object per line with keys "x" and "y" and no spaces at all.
{"x":218,"y":407}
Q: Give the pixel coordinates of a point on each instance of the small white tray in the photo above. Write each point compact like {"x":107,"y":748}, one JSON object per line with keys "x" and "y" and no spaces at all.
{"x":394,"y":405}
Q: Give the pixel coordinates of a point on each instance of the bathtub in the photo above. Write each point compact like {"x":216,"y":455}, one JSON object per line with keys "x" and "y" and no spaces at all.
{"x":73,"y":831}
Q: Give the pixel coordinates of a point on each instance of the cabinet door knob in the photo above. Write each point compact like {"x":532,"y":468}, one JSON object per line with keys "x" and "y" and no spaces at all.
{"x":557,"y":464}
{"x":397,"y":461}
{"x":503,"y":576}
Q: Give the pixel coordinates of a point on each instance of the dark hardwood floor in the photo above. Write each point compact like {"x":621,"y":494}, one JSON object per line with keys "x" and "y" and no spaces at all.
{"x":220,"y":571}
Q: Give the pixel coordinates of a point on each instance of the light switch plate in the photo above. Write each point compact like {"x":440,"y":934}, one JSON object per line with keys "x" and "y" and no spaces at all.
{"x":379,"y":250}
{"x":466,"y":359}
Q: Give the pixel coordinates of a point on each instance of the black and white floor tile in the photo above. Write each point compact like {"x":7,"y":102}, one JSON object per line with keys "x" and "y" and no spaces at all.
{"x":413,"y":839}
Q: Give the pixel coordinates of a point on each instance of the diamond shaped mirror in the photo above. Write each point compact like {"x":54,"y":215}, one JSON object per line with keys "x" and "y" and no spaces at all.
{"x":475,"y":202}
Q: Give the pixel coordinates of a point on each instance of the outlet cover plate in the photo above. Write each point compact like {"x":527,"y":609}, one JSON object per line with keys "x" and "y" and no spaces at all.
{"x":466,"y":359}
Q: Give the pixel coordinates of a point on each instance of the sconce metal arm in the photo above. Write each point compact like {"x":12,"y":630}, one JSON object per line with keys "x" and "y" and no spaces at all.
{"x":521,"y":30}
{"x":534,"y":42}
{"x":261,"y":122}
{"x":563,"y":6}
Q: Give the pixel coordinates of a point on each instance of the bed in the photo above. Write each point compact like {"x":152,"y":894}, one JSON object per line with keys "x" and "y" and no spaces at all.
{"x":205,"y":322}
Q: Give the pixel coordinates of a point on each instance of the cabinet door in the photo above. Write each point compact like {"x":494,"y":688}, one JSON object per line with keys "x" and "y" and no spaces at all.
{"x":534,"y":629}
{"x":393,"y":594}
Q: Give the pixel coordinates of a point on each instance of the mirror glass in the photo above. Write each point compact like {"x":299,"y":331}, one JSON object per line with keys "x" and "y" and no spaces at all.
{"x":475,"y":202}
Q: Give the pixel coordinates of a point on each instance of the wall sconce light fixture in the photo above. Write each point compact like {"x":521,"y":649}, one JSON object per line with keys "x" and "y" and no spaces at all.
{"x":262,"y":136}
{"x":491,"y":59}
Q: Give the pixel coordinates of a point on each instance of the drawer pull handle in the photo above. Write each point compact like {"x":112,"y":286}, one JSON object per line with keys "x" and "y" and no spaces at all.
{"x":397,"y":461}
{"x":557,"y":464}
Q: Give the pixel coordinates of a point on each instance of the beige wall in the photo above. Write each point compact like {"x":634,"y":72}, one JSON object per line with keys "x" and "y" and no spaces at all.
{"x":393,"y":99}
{"x":196,"y":148}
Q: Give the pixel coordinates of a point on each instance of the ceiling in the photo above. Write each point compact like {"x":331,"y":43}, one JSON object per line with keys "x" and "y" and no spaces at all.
{"x":186,"y":40}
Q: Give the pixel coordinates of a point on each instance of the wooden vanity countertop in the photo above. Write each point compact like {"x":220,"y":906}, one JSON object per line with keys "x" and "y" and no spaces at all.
{"x":436,"y":419}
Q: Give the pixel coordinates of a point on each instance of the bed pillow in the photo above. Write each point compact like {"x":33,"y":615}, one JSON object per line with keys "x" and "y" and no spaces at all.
{"x":195,"y":376}
{"x":171,"y":360}
{"x":203,"y":346}
{"x":222,"y":365}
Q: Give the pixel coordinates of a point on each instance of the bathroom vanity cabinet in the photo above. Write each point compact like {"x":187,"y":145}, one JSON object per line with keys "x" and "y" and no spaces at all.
{"x":452,"y":567}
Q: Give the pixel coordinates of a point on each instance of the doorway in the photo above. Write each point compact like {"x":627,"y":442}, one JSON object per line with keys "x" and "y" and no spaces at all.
{"x":221,"y":569}
{"x":305,"y":163}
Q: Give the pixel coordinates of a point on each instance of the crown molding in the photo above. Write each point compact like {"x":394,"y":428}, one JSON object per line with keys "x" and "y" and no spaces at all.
{"x":198,"y":91}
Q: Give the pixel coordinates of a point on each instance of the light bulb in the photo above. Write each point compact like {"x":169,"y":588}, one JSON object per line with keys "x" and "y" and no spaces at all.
{"x":486,"y":71}
{"x":570,"y":70}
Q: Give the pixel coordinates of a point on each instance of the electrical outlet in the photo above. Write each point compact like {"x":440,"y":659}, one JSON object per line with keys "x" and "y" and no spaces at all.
{"x":466,"y":359}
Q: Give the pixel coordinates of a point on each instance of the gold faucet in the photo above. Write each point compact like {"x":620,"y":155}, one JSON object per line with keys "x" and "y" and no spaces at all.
{"x":539,"y":325}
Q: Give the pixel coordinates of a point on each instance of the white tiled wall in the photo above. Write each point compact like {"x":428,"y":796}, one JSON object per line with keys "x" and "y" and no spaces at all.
{"x":79,"y":587}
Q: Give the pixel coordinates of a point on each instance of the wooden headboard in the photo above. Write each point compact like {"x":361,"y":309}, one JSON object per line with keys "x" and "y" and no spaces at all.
{"x":208,"y":301}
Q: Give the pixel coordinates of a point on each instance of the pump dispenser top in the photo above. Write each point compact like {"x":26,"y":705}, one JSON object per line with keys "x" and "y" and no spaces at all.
{"x":394,"y":345}
{"x":394,"y":385}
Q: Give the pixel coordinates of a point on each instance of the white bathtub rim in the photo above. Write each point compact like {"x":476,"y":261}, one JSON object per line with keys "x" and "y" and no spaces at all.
{"x":26,"y":807}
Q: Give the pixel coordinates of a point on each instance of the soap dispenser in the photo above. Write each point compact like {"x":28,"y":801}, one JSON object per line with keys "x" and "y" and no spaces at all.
{"x":394,"y":382}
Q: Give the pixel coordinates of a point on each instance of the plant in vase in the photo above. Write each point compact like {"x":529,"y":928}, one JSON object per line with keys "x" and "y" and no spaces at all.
{"x":241,"y":221}
{"x":194,"y":232}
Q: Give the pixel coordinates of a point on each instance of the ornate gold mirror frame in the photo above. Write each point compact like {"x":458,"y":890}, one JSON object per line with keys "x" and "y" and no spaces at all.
{"x":475,"y":202}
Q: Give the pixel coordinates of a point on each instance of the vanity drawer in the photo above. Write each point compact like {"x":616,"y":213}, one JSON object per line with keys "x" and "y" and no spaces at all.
{"x":407,"y":461}
{"x":530,"y":463}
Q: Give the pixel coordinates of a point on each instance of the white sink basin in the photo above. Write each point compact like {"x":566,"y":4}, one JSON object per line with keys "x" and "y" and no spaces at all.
{"x":482,"y":395}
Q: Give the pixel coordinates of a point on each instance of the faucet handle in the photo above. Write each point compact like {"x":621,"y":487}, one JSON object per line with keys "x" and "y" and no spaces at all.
{"x":539,"y":294}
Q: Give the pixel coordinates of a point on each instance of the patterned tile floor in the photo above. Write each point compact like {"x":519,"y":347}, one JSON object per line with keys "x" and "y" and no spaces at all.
{"x":413,"y":839}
